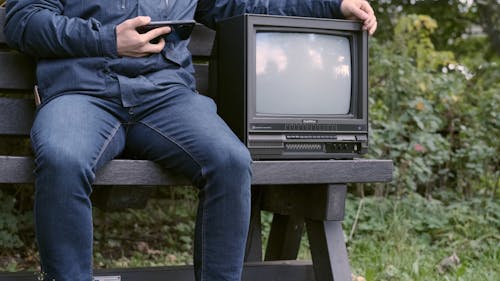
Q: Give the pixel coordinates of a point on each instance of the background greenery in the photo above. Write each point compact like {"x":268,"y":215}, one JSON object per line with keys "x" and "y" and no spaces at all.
{"x":434,"y":110}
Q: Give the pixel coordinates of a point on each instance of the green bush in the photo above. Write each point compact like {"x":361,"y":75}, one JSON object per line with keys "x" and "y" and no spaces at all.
{"x":435,"y":117}
{"x":8,"y":224}
{"x":12,"y":223}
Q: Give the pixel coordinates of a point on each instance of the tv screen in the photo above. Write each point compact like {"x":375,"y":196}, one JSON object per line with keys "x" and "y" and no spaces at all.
{"x":302,"y":73}
{"x":292,"y":87}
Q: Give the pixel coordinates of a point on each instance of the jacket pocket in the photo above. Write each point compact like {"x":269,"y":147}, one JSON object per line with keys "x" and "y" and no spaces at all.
{"x":177,"y":55}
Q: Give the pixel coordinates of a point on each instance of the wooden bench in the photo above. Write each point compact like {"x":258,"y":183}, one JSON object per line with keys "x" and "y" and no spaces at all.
{"x":299,"y":193}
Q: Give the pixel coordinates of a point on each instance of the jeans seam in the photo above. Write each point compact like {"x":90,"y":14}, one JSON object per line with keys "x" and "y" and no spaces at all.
{"x":101,"y":152}
{"x":175,"y":142}
{"x":202,"y":174}
{"x":202,"y":265}
{"x":105,"y":146}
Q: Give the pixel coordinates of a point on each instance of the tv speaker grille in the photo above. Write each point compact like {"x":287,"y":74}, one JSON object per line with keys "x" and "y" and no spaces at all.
{"x":304,"y":147}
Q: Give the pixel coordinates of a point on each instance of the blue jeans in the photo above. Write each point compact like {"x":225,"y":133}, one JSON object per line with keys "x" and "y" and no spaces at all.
{"x":75,"y":135}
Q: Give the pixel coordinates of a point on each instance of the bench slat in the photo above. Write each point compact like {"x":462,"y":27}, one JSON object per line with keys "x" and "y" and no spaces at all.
{"x":201,"y":41}
{"x":17,"y":71}
{"x":16,"y":114}
{"x":2,"y":21}
{"x":269,"y":270}
{"x":18,"y":169}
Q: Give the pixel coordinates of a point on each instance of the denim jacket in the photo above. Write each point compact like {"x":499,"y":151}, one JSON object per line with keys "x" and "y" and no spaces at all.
{"x":74,"y":41}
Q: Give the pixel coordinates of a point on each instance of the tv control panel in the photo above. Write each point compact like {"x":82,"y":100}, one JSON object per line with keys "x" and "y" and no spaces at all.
{"x":306,"y":145}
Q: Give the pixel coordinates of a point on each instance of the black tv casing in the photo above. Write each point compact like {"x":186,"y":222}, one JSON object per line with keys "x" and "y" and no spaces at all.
{"x":280,"y":136}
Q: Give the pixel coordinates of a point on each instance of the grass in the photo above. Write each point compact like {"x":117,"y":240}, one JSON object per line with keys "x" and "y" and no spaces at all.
{"x":393,"y":238}
{"x":413,"y":239}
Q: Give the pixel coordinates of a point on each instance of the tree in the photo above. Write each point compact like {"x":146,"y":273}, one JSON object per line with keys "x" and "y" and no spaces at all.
{"x":456,"y":19}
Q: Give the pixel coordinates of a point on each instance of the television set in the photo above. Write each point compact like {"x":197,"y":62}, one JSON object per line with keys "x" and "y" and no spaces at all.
{"x":293,"y":87}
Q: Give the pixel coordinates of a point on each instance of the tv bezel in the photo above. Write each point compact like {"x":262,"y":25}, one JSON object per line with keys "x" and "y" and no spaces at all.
{"x":358,"y":110}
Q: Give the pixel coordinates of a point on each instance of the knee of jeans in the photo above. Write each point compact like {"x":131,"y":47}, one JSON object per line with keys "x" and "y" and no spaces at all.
{"x":232,"y":160}
{"x":62,"y":160}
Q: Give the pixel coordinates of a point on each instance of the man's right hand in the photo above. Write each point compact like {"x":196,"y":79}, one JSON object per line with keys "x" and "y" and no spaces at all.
{"x":130,"y":43}
{"x":360,"y":10}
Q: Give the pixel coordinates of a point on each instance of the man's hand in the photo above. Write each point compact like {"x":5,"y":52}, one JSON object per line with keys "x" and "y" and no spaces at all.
{"x":130,"y":43}
{"x":360,"y":10}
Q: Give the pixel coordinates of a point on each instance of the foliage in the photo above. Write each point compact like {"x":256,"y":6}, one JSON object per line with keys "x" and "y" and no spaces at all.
{"x":9,"y":223}
{"x":16,"y":232}
{"x":15,"y":219}
{"x":412,"y":237}
{"x":161,"y":234}
{"x":412,"y":34}
{"x":436,"y":118}
{"x":394,"y":238}
{"x":456,"y":19}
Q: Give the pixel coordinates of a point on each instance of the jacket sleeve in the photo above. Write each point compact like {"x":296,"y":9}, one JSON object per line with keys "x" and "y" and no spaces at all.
{"x":38,"y":28}
{"x":209,"y":12}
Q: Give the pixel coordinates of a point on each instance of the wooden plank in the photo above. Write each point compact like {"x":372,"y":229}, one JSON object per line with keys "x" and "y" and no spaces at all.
{"x":18,"y":169}
{"x":268,"y":271}
{"x":201,"y":41}
{"x":322,"y":171}
{"x":17,"y":71}
{"x":200,"y":45}
{"x":253,"y":251}
{"x":2,"y":21}
{"x":16,"y":116}
{"x":328,"y":250}
{"x":201,"y":76}
{"x":284,"y":238}
{"x":319,"y":202}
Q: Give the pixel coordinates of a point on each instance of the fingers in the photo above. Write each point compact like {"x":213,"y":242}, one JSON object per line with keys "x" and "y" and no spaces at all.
{"x":137,"y":21}
{"x":360,"y":10}
{"x":370,"y":22}
{"x":157,"y":32}
{"x":146,"y":48}
{"x":131,"y":43}
{"x":351,"y":9}
{"x":371,"y":28}
{"x":370,"y":25}
{"x":365,"y":6}
{"x":359,"y":14}
{"x":144,"y":20}
{"x":151,"y":48}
